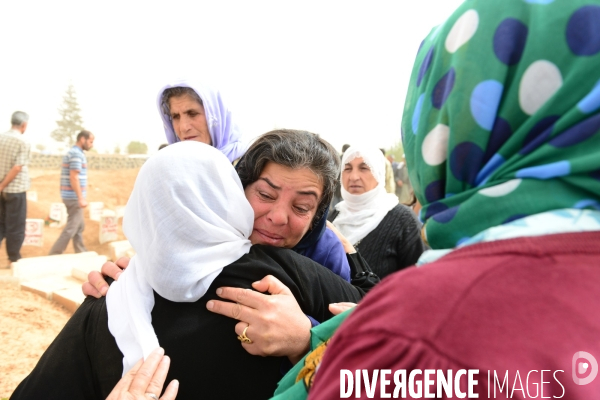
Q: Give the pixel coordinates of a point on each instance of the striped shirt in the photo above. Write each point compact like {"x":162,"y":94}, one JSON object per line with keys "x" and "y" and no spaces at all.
{"x":14,"y":150}
{"x":73,"y":160}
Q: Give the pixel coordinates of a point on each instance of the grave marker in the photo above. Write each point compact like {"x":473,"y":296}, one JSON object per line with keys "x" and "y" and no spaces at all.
{"x":58,"y":215}
{"x":108,"y":228}
{"x":34,"y":232}
{"x":95,"y":208}
{"x":32,"y":195}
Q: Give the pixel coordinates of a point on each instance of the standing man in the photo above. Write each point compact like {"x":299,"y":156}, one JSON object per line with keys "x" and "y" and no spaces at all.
{"x":404,"y":189}
{"x":14,"y":157}
{"x":337,"y":195}
{"x":390,"y":184}
{"x":73,"y":184}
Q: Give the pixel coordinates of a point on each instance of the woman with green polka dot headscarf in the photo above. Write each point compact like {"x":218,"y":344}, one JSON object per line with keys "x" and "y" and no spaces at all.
{"x":501,"y":129}
{"x":501,"y":119}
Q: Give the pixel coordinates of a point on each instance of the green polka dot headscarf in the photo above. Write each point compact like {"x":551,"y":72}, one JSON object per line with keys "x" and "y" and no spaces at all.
{"x":502,"y":115}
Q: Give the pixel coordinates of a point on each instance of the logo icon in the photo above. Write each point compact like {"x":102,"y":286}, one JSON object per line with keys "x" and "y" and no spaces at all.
{"x":583,"y":363}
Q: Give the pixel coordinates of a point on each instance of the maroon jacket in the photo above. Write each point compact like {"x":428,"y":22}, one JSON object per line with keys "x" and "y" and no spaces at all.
{"x":520,"y":305}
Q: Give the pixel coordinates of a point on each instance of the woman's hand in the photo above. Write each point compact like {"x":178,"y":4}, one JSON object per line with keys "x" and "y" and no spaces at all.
{"x":97,"y":285}
{"x":275,"y":324}
{"x":338,"y":308}
{"x":146,"y":379}
{"x":348,"y":247}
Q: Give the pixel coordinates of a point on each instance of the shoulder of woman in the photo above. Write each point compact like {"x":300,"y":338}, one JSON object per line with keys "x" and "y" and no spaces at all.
{"x":92,"y":305}
{"x":405,"y":214}
{"x":288,"y":259}
{"x":330,"y":240}
{"x":399,"y":213}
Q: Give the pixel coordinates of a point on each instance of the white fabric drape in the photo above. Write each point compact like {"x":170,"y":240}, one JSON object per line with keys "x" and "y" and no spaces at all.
{"x":360,"y":214}
{"x":187,"y":218}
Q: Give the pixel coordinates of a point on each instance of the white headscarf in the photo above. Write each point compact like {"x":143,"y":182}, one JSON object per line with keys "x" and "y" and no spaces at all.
{"x":187,"y":218}
{"x":224,"y":132}
{"x":360,"y":214}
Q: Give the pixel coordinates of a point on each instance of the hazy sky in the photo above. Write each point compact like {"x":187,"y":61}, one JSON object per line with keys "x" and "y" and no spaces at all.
{"x":338,"y":68}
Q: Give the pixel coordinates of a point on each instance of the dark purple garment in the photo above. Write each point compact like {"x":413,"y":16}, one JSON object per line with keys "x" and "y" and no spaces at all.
{"x":329,"y":252}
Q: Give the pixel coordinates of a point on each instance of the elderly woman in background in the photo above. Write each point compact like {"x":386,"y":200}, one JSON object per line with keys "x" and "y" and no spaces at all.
{"x":193,"y":111}
{"x":502,"y":138}
{"x":191,"y":230}
{"x":384,"y":232}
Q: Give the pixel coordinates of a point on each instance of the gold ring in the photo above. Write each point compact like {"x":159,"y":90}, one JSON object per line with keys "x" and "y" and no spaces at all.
{"x":243,"y":338}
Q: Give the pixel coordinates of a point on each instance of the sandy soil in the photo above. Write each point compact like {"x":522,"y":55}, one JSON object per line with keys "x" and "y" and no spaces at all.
{"x":29,"y":323}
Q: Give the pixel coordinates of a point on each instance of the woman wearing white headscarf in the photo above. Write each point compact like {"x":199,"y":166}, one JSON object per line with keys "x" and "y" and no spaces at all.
{"x":385,"y":232}
{"x":189,"y":222}
{"x":194,"y":111}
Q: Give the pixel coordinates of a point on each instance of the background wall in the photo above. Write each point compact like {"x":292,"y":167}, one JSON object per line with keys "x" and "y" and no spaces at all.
{"x":101,"y":161}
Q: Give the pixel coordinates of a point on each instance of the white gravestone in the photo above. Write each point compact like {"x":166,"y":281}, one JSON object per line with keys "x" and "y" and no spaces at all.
{"x":120,"y":211}
{"x":120,"y":249}
{"x":58,"y":215}
{"x":108,"y":228}
{"x":34,"y":232}
{"x":32,"y":195}
{"x":95,"y":208}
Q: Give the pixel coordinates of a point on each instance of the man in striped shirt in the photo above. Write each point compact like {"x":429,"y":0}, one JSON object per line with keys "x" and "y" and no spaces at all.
{"x":73,"y":184}
{"x":14,"y":182}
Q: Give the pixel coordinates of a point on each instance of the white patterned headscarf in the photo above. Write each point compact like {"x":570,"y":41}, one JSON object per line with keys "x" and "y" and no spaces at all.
{"x":187,"y":218}
{"x":360,"y":214}
{"x":225,"y":134}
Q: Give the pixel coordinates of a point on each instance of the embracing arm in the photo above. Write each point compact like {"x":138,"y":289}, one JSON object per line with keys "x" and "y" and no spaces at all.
{"x":276,"y":323}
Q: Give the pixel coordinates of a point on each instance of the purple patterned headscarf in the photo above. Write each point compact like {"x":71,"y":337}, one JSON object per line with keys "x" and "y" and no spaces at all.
{"x":224,"y":132}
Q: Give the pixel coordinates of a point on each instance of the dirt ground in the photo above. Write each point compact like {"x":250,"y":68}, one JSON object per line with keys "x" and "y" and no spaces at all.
{"x":28,"y":322}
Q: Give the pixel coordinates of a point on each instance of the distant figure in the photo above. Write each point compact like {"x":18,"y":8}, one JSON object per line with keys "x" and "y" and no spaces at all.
{"x":337,"y":195}
{"x":404,"y":189}
{"x":162,"y":146}
{"x":73,"y":184}
{"x":14,"y":157}
{"x":390,"y":184}
{"x":386,"y":233}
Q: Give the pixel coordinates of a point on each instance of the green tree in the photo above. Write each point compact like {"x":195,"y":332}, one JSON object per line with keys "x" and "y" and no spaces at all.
{"x":137,"y":148}
{"x":40,"y":147}
{"x":70,"y":122}
{"x":117,"y":150}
